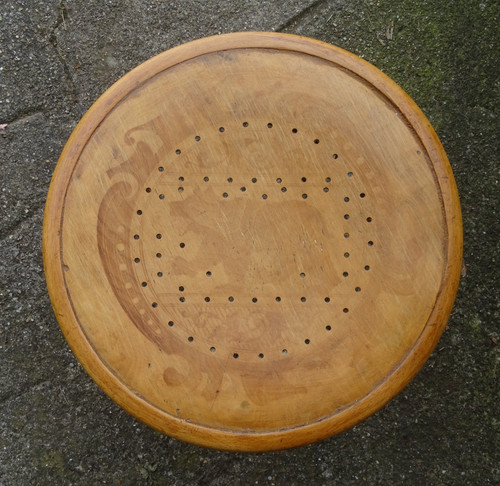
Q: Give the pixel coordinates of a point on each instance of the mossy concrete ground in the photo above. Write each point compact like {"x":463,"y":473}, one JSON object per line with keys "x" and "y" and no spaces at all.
{"x":57,"y":427}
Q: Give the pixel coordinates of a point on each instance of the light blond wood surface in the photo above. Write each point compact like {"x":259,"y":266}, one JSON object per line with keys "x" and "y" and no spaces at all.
{"x":253,"y":241}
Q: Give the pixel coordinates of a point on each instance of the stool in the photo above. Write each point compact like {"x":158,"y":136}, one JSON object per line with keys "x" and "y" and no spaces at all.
{"x":253,"y":241}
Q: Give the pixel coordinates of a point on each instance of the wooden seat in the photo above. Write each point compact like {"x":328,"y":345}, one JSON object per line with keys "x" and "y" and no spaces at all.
{"x":253,"y":241}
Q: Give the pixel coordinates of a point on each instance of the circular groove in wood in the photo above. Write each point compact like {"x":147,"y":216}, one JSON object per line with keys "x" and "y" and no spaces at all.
{"x":253,"y":241}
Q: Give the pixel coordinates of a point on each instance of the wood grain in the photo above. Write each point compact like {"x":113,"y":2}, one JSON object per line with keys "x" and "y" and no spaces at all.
{"x":253,"y":241}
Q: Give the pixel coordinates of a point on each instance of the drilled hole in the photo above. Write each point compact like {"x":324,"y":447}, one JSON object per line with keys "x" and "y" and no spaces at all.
{"x":158,"y":255}
{"x":144,"y":284}
{"x":345,"y":274}
{"x":197,"y":138}
{"x":316,"y":141}
{"x":154,"y":304}
{"x":345,"y":310}
{"x":284,"y":351}
{"x":158,"y":236}
{"x":181,"y":289}
{"x":206,"y":178}
{"x":136,"y":237}
{"x":171,"y":323}
{"x":139,"y":212}
{"x":269,"y":125}
{"x":182,"y":299}
{"x":369,"y":219}
{"x":160,"y":274}
{"x":225,"y":195}
{"x":181,"y":179}
{"x":367,"y":267}
{"x":180,"y":189}
{"x":362,"y":195}
{"x":264,"y":196}
{"x":148,"y":189}
{"x":178,"y":152}
{"x":245,"y":124}
{"x":370,"y":243}
{"x":182,"y":245}
{"x":209,"y":273}
{"x":190,"y":339}
{"x":335,"y":156}
{"x":137,"y":260}
{"x":161,"y":169}
{"x":358,"y":289}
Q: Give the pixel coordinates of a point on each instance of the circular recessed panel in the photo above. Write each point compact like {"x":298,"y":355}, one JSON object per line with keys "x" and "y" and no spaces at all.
{"x":253,"y":241}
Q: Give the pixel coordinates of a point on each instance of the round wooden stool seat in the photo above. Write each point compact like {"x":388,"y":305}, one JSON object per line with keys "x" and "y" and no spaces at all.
{"x":253,"y":241}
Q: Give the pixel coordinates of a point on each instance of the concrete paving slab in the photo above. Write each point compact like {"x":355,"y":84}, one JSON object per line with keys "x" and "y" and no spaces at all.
{"x":57,"y":427}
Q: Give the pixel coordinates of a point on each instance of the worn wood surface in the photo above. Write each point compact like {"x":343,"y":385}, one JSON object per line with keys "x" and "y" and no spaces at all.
{"x":253,"y":241}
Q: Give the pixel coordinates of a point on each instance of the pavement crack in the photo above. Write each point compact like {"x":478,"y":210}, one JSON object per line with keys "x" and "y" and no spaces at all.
{"x":292,"y":20}
{"x":52,"y":38}
{"x":35,"y":216}
{"x":63,"y":15}
{"x":24,"y":115}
